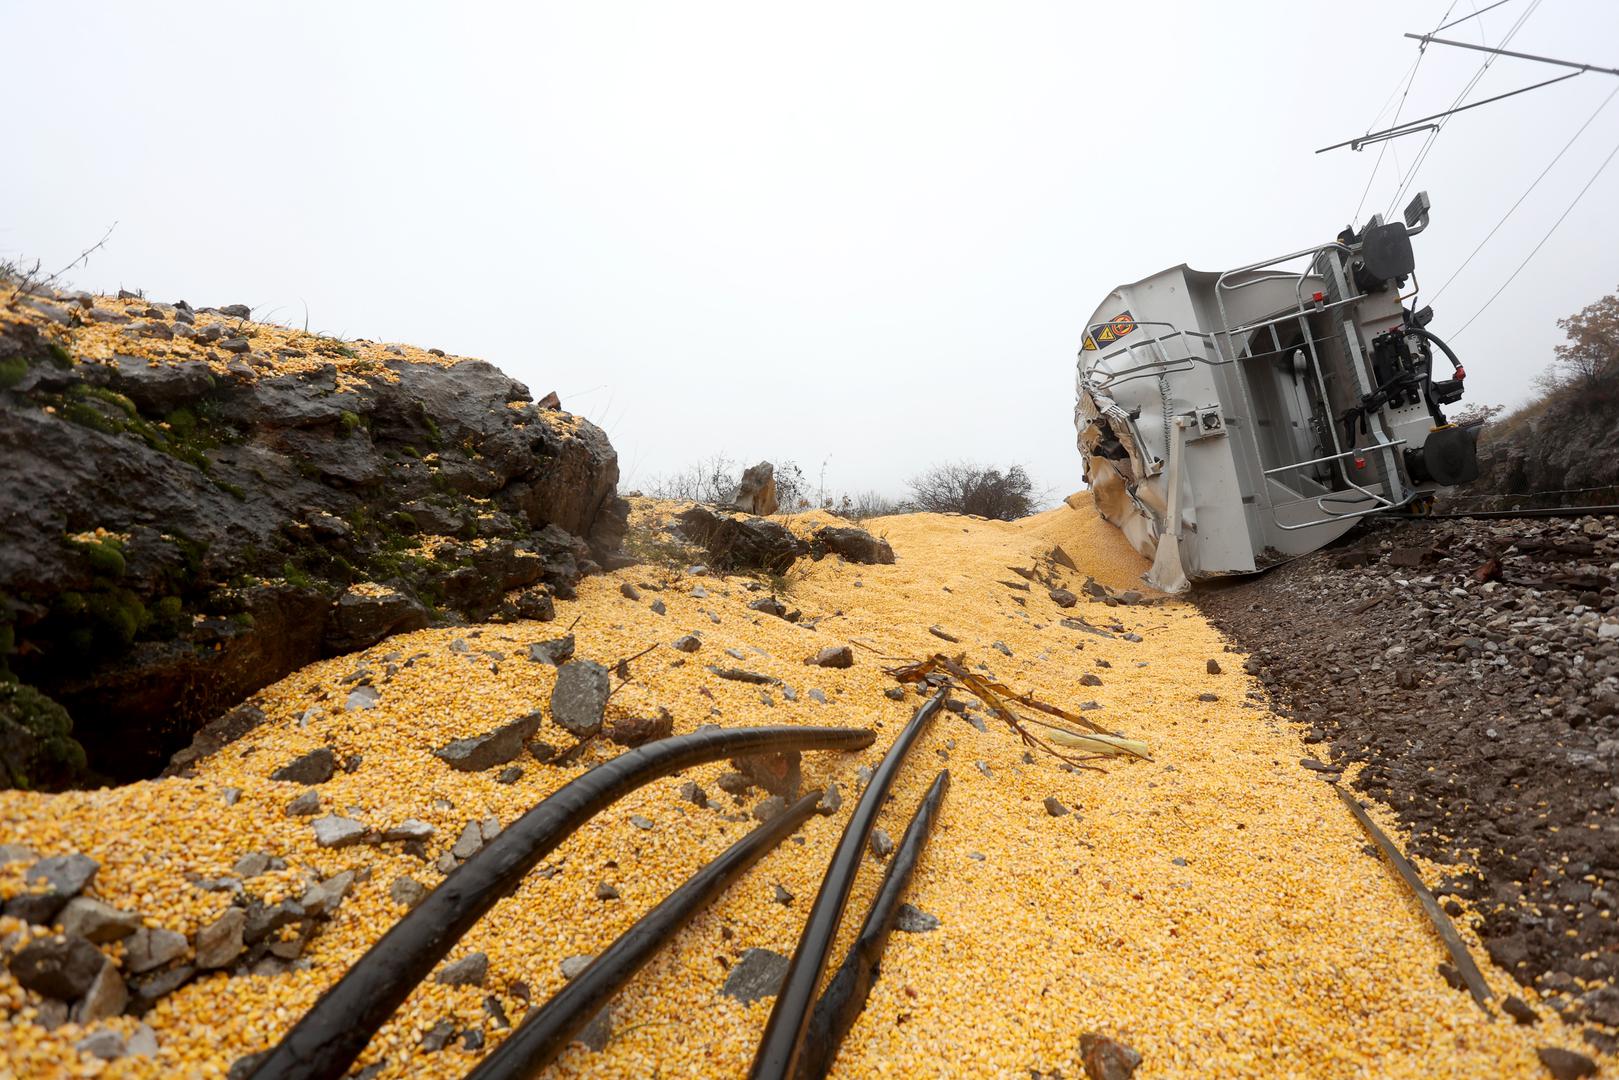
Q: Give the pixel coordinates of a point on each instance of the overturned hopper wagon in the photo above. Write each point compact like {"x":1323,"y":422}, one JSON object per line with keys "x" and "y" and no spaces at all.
{"x":1229,"y":421}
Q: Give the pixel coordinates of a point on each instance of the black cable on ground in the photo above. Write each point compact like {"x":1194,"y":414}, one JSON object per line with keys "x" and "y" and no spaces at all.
{"x":784,"y":1033}
{"x":545,"y":1034}
{"x":845,"y":996}
{"x":333,"y":1033}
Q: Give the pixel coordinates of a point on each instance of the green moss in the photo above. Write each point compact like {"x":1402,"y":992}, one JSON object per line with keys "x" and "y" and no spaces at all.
{"x":12,"y":369}
{"x":104,"y":558}
{"x":89,"y":416}
{"x":182,"y":423}
{"x":111,"y":397}
{"x":411,"y":451}
{"x":350,"y":421}
{"x":235,"y":490}
{"x":433,"y":435}
{"x":169,"y":618}
{"x":37,"y":747}
{"x":59,"y":355}
{"x":296,"y":577}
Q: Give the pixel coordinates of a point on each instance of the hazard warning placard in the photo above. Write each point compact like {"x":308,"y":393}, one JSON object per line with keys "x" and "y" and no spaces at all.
{"x":1115,"y":328}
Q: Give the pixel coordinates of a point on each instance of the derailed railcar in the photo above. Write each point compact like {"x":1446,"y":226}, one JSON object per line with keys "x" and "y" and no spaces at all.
{"x":1231,"y":420}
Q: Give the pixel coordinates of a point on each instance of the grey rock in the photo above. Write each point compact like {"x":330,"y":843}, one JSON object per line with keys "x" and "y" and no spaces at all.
{"x":1213,"y":667}
{"x":230,"y":795}
{"x":509,"y":775}
{"x":833,"y":656}
{"x":103,"y":1043}
{"x":361,"y":618}
{"x":769,"y":809}
{"x":220,"y":942}
{"x":983,"y":767}
{"x":894,"y":693}
{"x":1063,"y":598}
{"x":693,"y":793}
{"x":408,"y":830}
{"x":58,"y":967}
{"x":690,"y":643}
{"x":407,"y":890}
{"x":604,"y":891}
{"x":51,"y":883}
{"x":629,"y":592}
{"x":770,"y":606}
{"x":334,"y":831}
{"x":106,"y":997}
{"x":780,"y":895}
{"x":149,"y":990}
{"x":640,"y":822}
{"x":467,"y":844}
{"x":757,"y":974}
{"x":817,"y":696}
{"x":553,"y":651}
{"x":580,"y":697}
{"x":304,"y":804}
{"x":438,"y":1036}
{"x":263,"y":920}
{"x":470,"y":970}
{"x":146,"y":950}
{"x":882,"y":845}
{"x":742,"y":543}
{"x":976,"y":721}
{"x":10,"y":853}
{"x":492,"y":748}
{"x":913,"y":920}
{"x":143,"y":1043}
{"x":1566,"y":1064}
{"x":51,"y":1013}
{"x":599,"y":1032}
{"x":1055,"y":808}
{"x":315,"y":767}
{"x":362,"y":697}
{"x":251,"y":865}
{"x":97,"y":922}
{"x":323,"y":898}
{"x":831,"y":800}
{"x":574,"y":966}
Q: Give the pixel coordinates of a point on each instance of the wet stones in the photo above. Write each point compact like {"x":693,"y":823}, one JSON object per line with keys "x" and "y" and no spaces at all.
{"x":497,"y":747}
{"x":580,"y":697}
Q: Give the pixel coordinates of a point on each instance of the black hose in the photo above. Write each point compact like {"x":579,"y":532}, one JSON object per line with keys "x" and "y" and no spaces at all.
{"x":778,"y":1051}
{"x":845,"y":996}
{"x":1434,"y":339}
{"x":545,"y":1034}
{"x":336,"y":1029}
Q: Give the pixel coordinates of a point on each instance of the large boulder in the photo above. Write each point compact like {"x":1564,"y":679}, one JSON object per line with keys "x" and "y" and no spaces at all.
{"x":742,"y":543}
{"x":181,"y":526}
{"x":756,"y":493}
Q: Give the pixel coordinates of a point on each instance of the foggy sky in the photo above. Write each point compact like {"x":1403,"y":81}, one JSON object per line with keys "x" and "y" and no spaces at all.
{"x":863,"y":237}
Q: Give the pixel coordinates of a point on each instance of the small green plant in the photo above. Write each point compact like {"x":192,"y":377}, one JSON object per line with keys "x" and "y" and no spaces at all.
{"x":59,"y":355}
{"x":12,"y":369}
{"x":296,"y":577}
{"x":350,"y":421}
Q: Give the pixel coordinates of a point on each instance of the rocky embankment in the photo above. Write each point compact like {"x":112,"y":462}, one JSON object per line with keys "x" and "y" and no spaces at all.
{"x":1561,"y":450}
{"x":193,"y":505}
{"x":1472,"y":668}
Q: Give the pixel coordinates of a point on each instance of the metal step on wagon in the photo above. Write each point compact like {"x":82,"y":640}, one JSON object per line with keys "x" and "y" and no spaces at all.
{"x":1229,"y":421}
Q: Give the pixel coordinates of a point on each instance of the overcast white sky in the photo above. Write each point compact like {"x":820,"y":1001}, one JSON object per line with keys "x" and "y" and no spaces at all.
{"x":860,"y":234}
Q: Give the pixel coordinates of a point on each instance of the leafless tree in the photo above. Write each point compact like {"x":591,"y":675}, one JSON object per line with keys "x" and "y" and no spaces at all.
{"x":966,"y":488}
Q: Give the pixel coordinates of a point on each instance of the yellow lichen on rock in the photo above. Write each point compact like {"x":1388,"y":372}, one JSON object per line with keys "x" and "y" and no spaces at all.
{"x":1212,"y":907}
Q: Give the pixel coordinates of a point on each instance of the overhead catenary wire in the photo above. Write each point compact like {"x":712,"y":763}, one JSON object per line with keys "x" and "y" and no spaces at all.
{"x":1549,"y":165}
{"x":1433,"y":136}
{"x":1410,"y":79}
{"x":1475,"y":14}
{"x":1513,"y":276}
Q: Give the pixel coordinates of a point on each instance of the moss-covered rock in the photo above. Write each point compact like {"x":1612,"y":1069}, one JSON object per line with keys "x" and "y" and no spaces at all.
{"x":37,"y":747}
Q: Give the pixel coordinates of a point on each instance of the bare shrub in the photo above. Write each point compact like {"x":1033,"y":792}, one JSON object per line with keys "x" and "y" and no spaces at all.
{"x":966,"y":488}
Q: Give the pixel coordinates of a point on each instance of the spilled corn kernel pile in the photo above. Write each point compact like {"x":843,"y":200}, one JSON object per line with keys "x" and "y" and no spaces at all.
{"x":1214,"y":908}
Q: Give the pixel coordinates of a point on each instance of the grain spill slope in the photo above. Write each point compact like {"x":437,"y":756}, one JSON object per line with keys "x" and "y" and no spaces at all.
{"x":1212,"y":908}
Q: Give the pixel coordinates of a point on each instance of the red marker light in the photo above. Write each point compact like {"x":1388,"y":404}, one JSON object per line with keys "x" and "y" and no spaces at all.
{"x":1360,"y":463}
{"x":1320,"y":297}
{"x":1461,"y":372}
